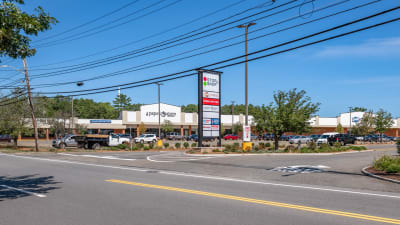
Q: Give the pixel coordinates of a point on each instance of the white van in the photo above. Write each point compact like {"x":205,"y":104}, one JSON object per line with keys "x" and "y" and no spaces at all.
{"x":323,"y":139}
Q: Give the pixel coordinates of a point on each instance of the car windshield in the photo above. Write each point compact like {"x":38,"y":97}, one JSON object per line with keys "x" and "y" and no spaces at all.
{"x":149,"y":135}
{"x":324,"y":136}
{"x":142,"y":135}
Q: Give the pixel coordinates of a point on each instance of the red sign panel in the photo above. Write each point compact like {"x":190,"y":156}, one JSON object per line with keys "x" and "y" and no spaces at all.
{"x":210,"y":101}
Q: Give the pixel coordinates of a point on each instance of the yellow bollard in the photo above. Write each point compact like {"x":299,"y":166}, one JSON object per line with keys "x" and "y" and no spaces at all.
{"x":159,"y":143}
{"x":247,"y":146}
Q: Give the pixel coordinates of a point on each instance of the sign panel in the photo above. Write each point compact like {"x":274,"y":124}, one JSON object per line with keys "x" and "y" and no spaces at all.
{"x":149,"y":113}
{"x":100,"y":121}
{"x":246,"y":133}
{"x":209,"y":105}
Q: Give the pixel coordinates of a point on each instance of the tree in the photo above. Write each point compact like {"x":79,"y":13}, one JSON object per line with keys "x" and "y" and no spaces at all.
{"x":13,"y":116}
{"x":365,"y":126}
{"x":142,"y":128}
{"x":237,"y":127}
{"x":383,"y":121}
{"x":191,"y":108}
{"x":17,"y":25}
{"x":339,"y":128}
{"x":222,"y":129}
{"x":290,"y":112}
{"x":166,"y":127}
{"x":359,"y":109}
{"x":122,"y":102}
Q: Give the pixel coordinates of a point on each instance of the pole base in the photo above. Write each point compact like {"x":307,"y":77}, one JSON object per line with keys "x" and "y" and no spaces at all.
{"x":247,"y":146}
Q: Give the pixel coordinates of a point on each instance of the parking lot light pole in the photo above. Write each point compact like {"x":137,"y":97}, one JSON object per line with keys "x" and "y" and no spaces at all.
{"x":246,"y":26}
{"x":233,"y":103}
{"x":351,"y":108}
{"x":159,"y":114}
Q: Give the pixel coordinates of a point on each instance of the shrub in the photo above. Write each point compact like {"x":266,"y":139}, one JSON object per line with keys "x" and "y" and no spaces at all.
{"x":151,"y":146}
{"x":398,"y":145}
{"x":140,"y":146}
{"x":134,"y":148}
{"x":186,"y":145}
{"x":177,"y":145}
{"x":122,"y":146}
{"x":390,"y":164}
{"x":261,"y":145}
{"x":312,"y":145}
{"x":226,"y":151}
{"x":228,"y":147}
{"x":267,"y":145}
{"x":146,"y":148}
{"x":216,"y":150}
{"x":325,"y":146}
{"x":290,"y":148}
{"x":337,"y":145}
{"x":236,"y":145}
{"x":192,"y":151}
{"x":194,"y":145}
{"x":166,"y":145}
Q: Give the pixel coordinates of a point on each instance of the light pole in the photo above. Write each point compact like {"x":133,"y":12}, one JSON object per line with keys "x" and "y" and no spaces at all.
{"x":233,"y":103}
{"x":246,"y":26}
{"x":159,"y":110}
{"x":28,"y":87}
{"x":351,"y":108}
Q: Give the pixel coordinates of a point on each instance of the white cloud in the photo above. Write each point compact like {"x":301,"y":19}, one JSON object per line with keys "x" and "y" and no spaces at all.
{"x":372,"y":47}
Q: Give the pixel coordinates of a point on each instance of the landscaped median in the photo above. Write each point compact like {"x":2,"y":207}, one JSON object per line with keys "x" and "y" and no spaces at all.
{"x":386,"y":168}
{"x":235,"y":148}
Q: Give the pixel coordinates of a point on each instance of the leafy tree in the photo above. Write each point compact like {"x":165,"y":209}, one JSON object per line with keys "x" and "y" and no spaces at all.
{"x":142,"y":128}
{"x":290,"y":112}
{"x":339,"y":128}
{"x":359,"y":109}
{"x":166,"y":127}
{"x":13,"y":116}
{"x":383,"y":121}
{"x":17,"y":25}
{"x":222,"y":129}
{"x":365,"y":126}
{"x":191,"y":108}
{"x":237,"y":128}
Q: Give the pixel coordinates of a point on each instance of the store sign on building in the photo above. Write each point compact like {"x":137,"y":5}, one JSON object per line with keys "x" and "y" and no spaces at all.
{"x":209,"y":104}
{"x":149,"y":113}
{"x":100,"y":121}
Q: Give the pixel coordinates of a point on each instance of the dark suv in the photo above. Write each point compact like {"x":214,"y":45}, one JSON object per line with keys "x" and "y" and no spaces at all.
{"x":343,"y":139}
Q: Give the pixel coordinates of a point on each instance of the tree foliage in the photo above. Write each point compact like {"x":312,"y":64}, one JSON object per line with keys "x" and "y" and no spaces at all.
{"x":290,"y":112}
{"x":383,"y":121}
{"x":365,"y":126}
{"x":339,"y":128}
{"x":166,"y":127}
{"x":17,"y":26}
{"x":359,"y":109}
{"x":142,"y":128}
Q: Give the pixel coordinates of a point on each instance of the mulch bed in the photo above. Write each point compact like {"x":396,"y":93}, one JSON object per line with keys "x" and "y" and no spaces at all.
{"x":393,"y":176}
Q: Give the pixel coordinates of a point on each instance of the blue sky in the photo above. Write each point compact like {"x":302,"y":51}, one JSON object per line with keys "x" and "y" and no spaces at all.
{"x":358,"y":70}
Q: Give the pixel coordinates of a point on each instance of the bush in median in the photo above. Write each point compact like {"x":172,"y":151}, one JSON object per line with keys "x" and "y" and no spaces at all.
{"x":186,"y":145}
{"x":177,"y":145}
{"x":398,"y":146}
{"x":166,"y":145}
{"x":389,"y":164}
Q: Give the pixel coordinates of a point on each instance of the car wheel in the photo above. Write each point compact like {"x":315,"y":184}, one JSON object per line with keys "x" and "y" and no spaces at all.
{"x":95,"y":146}
{"x":342,"y":143}
{"x":154,"y":141}
{"x":62,"y":146}
{"x":141,"y":141}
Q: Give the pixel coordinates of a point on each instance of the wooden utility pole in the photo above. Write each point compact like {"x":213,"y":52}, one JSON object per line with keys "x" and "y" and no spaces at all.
{"x":28,"y":87}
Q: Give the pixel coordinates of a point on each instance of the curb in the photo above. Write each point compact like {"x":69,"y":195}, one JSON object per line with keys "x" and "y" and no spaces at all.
{"x":365,"y":172}
{"x":275,"y":154}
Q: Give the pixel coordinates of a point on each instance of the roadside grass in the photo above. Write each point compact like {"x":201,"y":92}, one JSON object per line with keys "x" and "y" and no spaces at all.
{"x":389,"y":164}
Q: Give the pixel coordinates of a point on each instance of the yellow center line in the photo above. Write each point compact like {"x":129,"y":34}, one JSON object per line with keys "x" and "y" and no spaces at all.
{"x":264,"y":202}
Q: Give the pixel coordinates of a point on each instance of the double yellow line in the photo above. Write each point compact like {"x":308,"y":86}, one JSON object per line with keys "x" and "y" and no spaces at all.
{"x":263,"y":202}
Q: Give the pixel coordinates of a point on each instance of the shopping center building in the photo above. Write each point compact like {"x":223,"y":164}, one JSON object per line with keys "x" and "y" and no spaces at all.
{"x":187,"y":123}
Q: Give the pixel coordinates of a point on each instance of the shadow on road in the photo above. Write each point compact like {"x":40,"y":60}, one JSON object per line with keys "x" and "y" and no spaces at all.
{"x":31,"y":183}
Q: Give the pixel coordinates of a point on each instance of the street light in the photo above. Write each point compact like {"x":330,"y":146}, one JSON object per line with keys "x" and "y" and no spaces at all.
{"x":351,"y":108}
{"x":25,"y":72}
{"x":246,"y":26}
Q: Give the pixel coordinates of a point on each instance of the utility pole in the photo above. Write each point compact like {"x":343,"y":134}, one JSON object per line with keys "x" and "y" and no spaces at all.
{"x":31,"y":105}
{"x":351,"y":108}
{"x":233,"y":103}
{"x":159,"y":111}
{"x":246,"y":26}
{"x":72,"y":114}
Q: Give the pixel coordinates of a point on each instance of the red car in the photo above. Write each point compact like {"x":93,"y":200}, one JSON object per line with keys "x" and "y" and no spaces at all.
{"x":231,"y":137}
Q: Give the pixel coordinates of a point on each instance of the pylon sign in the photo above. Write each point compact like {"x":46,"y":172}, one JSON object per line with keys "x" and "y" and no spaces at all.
{"x":209,"y":120}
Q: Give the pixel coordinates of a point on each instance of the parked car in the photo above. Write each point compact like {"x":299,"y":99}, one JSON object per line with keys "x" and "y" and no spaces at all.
{"x":268,"y":137}
{"x":371,"y":138}
{"x":231,"y":137}
{"x":294,"y":139}
{"x":343,"y":139}
{"x":5,"y":138}
{"x":300,"y":140}
{"x":285,"y":138}
{"x":254,"y":137}
{"x":359,"y":138}
{"x":323,"y":139}
{"x":146,"y":138}
{"x":193,"y":137}
{"x":315,"y":137}
{"x":66,"y":141}
{"x":173,"y":136}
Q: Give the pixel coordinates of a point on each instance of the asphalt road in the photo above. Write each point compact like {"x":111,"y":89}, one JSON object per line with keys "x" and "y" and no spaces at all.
{"x":86,"y":189}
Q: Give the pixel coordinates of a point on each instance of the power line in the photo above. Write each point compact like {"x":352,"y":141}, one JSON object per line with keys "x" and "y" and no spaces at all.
{"x":252,"y":53}
{"x":89,"y":22}
{"x":125,"y":56}
{"x":139,"y":67}
{"x":272,"y":54}
{"x":147,"y":37}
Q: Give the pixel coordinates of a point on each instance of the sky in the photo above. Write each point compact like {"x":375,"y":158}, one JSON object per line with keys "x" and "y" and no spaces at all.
{"x":361,"y":69}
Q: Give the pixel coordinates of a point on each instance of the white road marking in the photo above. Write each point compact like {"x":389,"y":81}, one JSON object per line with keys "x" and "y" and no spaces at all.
{"x":23,"y":191}
{"x":165,"y":158}
{"x":97,"y":156}
{"x":212,"y":177}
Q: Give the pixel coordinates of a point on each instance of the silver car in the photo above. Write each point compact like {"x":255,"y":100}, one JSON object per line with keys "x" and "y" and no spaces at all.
{"x":66,"y":141}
